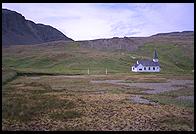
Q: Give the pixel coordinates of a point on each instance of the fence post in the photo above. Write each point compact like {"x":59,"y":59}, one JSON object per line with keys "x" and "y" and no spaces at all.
{"x":106,"y":71}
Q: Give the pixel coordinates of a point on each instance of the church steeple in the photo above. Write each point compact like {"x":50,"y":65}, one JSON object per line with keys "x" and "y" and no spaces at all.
{"x":155,"y":58}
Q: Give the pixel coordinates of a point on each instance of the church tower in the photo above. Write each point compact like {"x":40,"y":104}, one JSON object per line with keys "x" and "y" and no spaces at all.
{"x":155,"y":58}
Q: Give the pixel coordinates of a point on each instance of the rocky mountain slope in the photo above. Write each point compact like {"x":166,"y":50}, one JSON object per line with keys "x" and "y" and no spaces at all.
{"x":132,"y":43}
{"x":16,"y":30}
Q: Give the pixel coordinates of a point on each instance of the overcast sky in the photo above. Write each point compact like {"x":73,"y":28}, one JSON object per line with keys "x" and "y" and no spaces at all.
{"x":84,"y":21}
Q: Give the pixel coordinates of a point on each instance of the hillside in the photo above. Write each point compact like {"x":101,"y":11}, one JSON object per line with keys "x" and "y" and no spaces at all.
{"x":116,"y":43}
{"x":56,"y":53}
{"x":16,"y":30}
{"x":75,"y":57}
{"x":132,"y":43}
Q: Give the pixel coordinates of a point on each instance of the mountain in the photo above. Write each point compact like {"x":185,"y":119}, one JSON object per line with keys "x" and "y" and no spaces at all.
{"x":16,"y":30}
{"x":116,"y":43}
{"x":132,"y":43}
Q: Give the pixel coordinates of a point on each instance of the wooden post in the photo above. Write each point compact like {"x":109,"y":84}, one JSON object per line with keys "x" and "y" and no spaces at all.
{"x":88,"y":71}
{"x":106,"y":71}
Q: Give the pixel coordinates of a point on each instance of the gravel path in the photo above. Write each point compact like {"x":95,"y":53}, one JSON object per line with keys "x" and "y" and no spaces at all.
{"x":155,"y":88}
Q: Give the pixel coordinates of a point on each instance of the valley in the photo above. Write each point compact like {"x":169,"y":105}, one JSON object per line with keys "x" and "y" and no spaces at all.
{"x":47,"y":87}
{"x":51,"y":82}
{"x":72,"y":103}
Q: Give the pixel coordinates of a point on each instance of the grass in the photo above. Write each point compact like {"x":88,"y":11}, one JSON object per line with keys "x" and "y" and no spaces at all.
{"x":184,"y":91}
{"x":70,"y":114}
{"x":170,"y":97}
{"x":166,"y":100}
{"x":73,"y":59}
{"x":176,"y":123}
{"x":171,"y":57}
{"x":25,"y":99}
{"x":75,"y":104}
{"x":8,"y":75}
{"x":16,"y":109}
{"x":116,"y":91}
{"x":32,"y":102}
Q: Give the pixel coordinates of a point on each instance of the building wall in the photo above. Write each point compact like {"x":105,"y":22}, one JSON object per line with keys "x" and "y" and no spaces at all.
{"x":137,"y":69}
{"x":140,"y":68}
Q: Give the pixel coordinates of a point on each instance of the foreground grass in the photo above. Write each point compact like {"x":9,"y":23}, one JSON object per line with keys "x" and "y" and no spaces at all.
{"x":8,"y":75}
{"x":22,"y":103}
{"x":170,"y":97}
{"x":65,"y":115}
{"x":60,"y":103}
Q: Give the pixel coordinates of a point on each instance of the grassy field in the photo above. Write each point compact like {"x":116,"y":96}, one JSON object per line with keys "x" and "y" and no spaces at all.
{"x":72,"y":59}
{"x":36,"y":94}
{"x":170,"y":97}
{"x":74,"y":103}
{"x":8,"y":75}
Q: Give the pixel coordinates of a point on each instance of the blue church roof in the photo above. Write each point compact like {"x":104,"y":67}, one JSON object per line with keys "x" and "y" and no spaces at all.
{"x":147,"y":63}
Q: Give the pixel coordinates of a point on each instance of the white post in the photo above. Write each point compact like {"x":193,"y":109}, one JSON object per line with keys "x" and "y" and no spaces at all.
{"x":106,"y":71}
{"x":88,"y":71}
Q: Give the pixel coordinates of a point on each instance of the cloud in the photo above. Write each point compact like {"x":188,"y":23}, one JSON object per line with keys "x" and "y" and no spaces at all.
{"x":83,"y":21}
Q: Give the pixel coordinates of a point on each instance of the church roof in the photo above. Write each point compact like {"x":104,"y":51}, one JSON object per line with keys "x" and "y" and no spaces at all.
{"x":146,"y":63}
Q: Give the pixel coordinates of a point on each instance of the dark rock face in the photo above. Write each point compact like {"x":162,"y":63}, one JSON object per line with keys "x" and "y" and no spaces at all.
{"x":16,"y":30}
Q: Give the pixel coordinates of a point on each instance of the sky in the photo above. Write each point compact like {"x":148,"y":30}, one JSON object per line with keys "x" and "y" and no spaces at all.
{"x":87,"y":21}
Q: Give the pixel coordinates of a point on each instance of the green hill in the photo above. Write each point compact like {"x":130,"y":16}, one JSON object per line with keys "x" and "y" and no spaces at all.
{"x":72,"y":58}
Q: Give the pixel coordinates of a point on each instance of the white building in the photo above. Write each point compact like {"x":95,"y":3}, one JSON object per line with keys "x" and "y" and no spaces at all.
{"x":147,"y":65}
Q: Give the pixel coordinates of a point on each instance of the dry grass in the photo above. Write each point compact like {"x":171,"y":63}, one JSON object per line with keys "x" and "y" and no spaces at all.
{"x":60,"y":103}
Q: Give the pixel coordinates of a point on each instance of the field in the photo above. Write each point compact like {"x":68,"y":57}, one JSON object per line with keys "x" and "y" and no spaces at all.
{"x":71,"y":58}
{"x":46,"y":87}
{"x":75,"y":103}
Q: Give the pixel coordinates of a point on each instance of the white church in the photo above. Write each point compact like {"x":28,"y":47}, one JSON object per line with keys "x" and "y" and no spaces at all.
{"x":147,"y":65}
